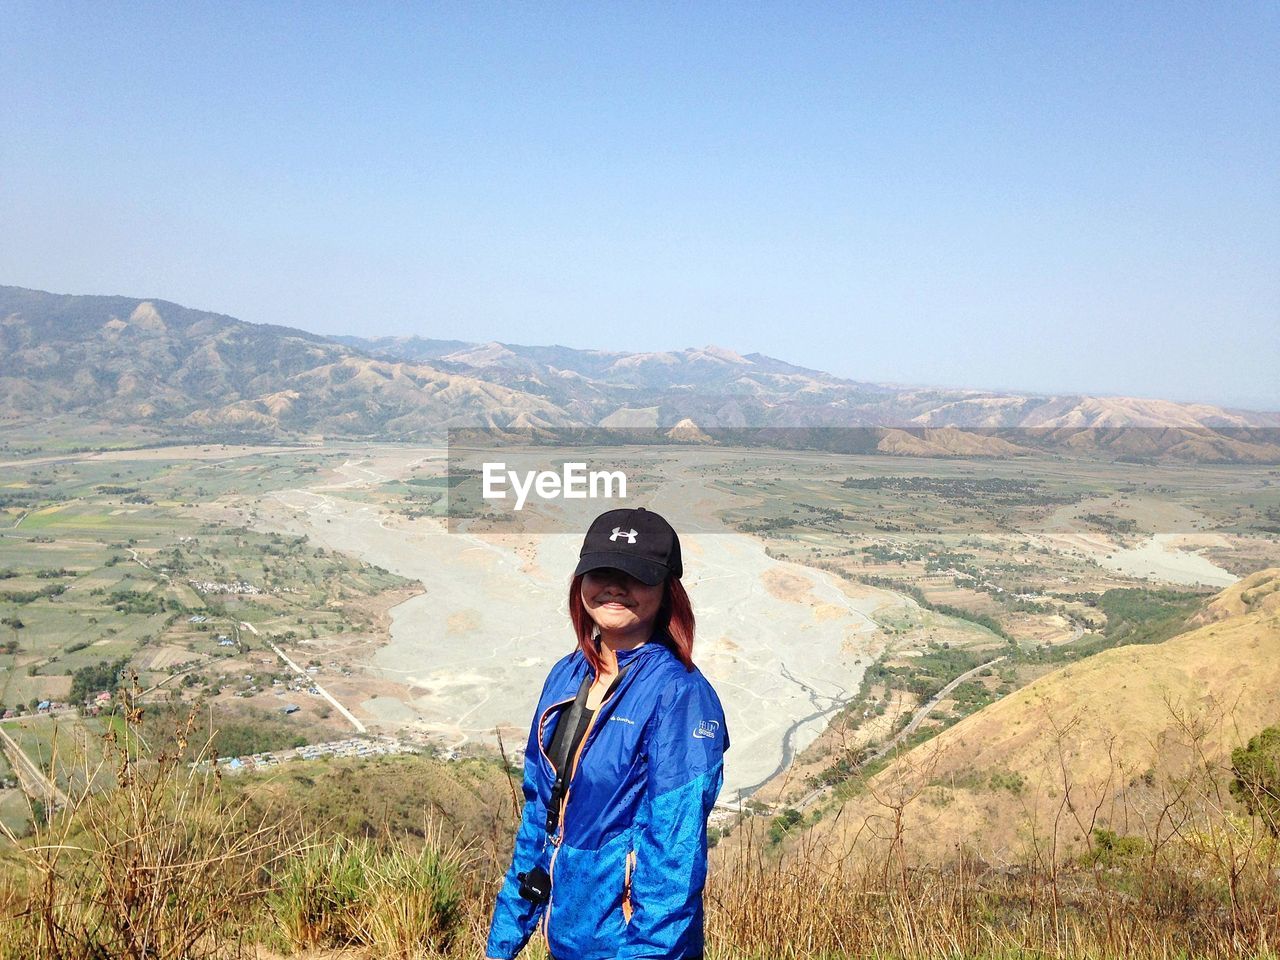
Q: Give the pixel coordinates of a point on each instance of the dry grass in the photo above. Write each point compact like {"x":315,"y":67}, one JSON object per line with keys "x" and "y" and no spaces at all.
{"x":1196,"y":877}
{"x":168,"y":863}
{"x":154,"y":858}
{"x":1181,"y":905}
{"x":161,"y":866}
{"x":1098,"y":724}
{"x":400,"y":903}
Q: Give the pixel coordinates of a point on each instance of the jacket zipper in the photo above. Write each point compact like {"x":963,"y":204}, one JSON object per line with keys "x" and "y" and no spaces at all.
{"x":627,"y":908}
{"x":542,"y":725}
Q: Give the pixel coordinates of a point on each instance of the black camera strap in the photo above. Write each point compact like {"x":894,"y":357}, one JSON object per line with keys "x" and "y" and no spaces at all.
{"x":570,"y":729}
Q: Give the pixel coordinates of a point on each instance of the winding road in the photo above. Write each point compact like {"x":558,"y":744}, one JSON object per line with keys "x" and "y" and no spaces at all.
{"x":918,"y":718}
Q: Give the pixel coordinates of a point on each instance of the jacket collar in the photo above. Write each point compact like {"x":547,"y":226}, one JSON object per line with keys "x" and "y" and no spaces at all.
{"x":659,"y":640}
{"x":626,"y":656}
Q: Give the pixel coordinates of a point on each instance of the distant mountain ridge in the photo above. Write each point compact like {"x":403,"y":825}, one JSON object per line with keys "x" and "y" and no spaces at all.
{"x":716,"y":367}
{"x":713,"y":389}
{"x":126,"y":360}
{"x":153,"y":362}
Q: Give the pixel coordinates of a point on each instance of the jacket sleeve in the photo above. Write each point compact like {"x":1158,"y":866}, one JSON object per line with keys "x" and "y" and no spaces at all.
{"x":685,"y":772}
{"x":515,"y":918}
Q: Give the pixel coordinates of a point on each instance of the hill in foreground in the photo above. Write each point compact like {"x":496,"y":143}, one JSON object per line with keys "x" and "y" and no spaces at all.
{"x":172,"y":858}
{"x":1113,"y":743}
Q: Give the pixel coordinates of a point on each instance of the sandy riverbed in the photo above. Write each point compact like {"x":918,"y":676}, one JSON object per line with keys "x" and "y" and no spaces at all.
{"x":1163,"y":558}
{"x":783,"y":644}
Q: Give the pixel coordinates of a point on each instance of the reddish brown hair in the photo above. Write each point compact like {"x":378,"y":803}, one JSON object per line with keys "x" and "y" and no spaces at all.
{"x":673,"y":624}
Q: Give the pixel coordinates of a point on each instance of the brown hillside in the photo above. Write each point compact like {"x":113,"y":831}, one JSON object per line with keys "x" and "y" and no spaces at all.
{"x":946,"y":442}
{"x":1102,"y":743}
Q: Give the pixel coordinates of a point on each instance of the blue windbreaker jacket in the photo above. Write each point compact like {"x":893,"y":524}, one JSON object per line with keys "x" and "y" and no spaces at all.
{"x":634,"y":830}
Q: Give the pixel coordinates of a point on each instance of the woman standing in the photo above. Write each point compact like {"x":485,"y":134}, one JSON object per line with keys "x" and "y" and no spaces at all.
{"x":623,"y":764}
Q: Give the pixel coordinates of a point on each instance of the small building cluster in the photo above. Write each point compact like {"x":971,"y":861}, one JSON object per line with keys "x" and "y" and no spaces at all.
{"x":352,"y":747}
{"x":97,"y":702}
{"x":216,"y":586}
{"x":355,"y":747}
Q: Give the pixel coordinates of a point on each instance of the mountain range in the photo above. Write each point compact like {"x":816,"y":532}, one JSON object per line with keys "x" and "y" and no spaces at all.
{"x":191,"y":372}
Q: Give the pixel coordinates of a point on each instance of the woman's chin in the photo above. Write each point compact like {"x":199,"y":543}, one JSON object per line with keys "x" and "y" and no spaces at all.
{"x":616,"y":624}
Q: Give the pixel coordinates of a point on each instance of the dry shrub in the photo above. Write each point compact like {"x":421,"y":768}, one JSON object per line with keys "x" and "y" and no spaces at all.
{"x":804,"y":908}
{"x":404,"y":904}
{"x":13,"y":897}
{"x":1198,"y":878}
{"x":154,"y":858}
{"x":161,"y":864}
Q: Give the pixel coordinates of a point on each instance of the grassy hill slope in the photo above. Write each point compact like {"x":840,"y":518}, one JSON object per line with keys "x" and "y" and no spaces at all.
{"x":1106,"y":744}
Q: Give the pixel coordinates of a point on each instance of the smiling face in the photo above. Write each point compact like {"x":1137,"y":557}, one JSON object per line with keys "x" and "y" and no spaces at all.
{"x":623,"y":607}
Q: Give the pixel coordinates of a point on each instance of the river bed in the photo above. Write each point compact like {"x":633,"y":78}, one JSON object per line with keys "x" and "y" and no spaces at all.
{"x":1163,"y":558}
{"x":783,"y":645}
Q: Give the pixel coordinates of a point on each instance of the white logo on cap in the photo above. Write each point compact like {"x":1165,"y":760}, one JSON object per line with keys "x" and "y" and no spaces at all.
{"x":630,"y":535}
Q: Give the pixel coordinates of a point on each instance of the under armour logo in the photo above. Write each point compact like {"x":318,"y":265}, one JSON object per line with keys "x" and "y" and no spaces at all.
{"x":706,"y":729}
{"x":630,"y":535}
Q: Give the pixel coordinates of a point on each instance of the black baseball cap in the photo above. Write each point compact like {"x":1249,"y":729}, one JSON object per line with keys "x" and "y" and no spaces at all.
{"x":635,"y":541}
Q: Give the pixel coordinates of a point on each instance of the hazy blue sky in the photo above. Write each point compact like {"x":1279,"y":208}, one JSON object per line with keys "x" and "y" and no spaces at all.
{"x":1048,"y":197}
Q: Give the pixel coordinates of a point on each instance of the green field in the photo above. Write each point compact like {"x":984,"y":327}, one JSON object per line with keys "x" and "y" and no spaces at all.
{"x":110,"y":558}
{"x":108,"y":561}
